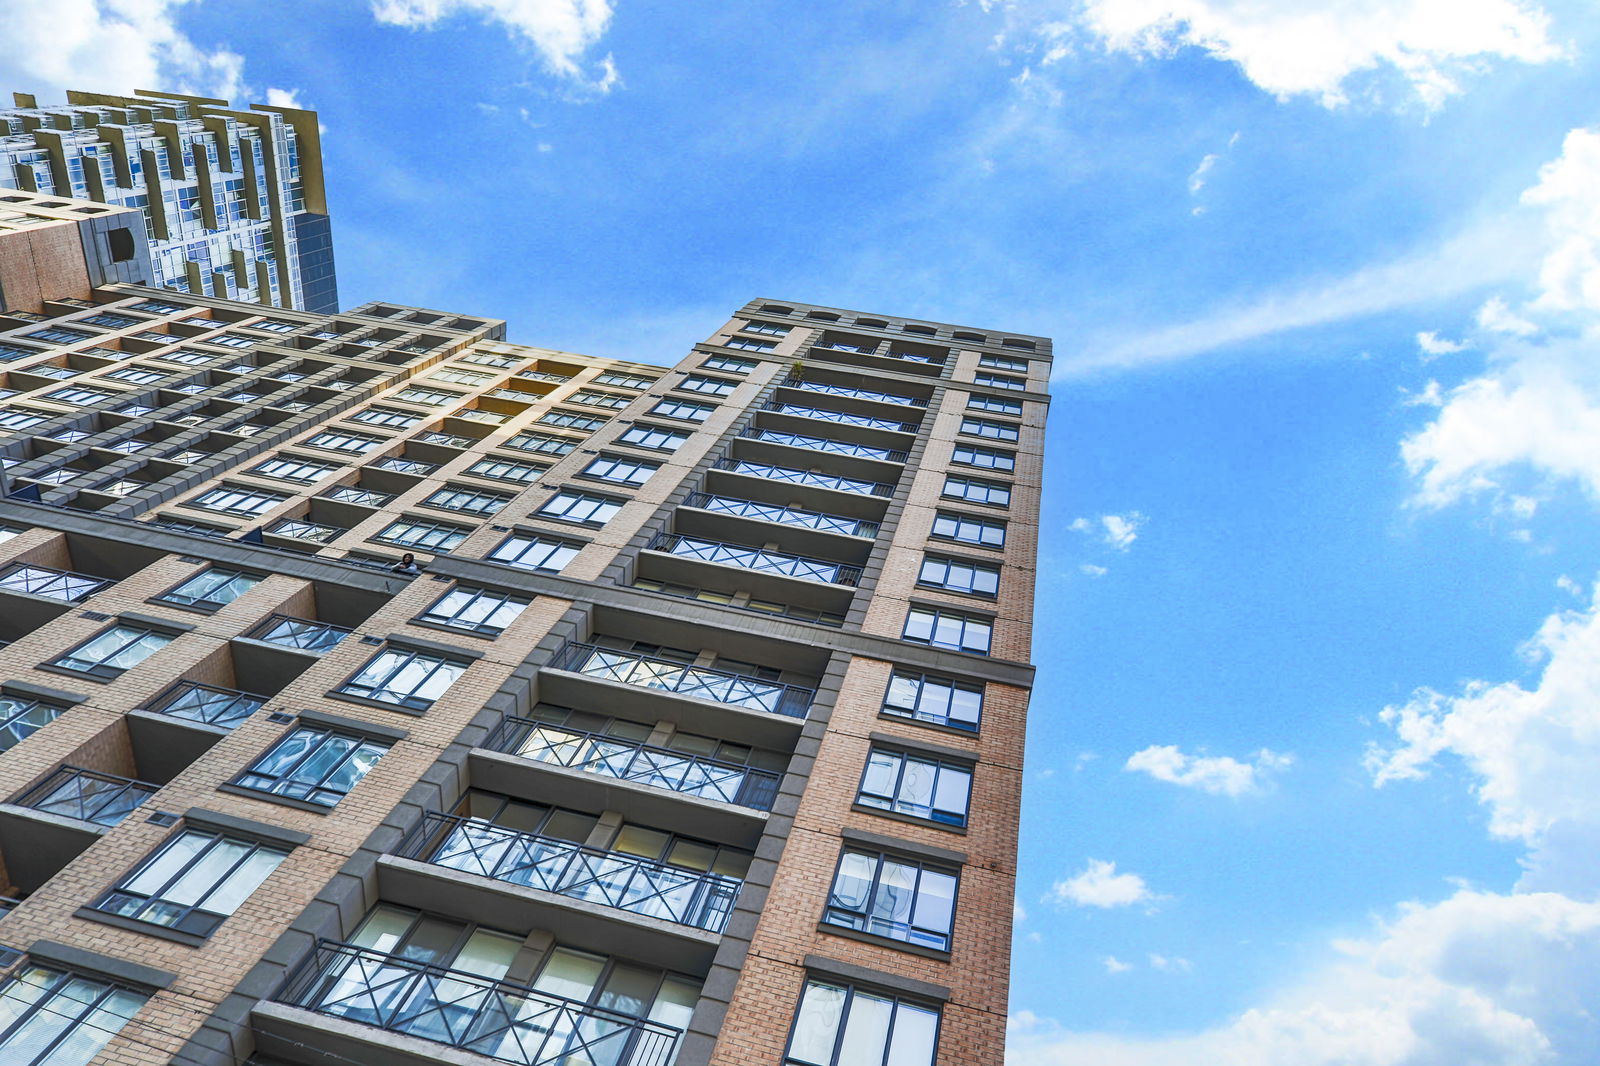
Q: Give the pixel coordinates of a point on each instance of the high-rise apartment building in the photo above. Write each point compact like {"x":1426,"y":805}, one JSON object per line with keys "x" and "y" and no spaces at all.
{"x":232,"y":200}
{"x":694,"y":734}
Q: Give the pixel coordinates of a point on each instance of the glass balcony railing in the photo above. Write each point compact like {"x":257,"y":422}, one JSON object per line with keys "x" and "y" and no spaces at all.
{"x":696,"y":898}
{"x":206,"y":704}
{"x":669,"y":675}
{"x":627,"y":760}
{"x":361,"y":497}
{"x":757,"y":559}
{"x":824,"y":444}
{"x":512,"y":1023}
{"x":788,"y":516}
{"x":847,"y":390}
{"x":55,"y":584}
{"x":448,"y":440}
{"x":87,"y":795}
{"x":300,"y":529}
{"x":805,"y":477}
{"x":842,"y":417}
{"x":301,"y":634}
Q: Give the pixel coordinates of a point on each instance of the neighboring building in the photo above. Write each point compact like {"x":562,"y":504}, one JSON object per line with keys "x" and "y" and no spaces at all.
{"x":53,"y":248}
{"x":233,"y":201}
{"x":698,"y":739}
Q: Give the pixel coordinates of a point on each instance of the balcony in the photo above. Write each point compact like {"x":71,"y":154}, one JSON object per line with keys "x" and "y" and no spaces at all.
{"x":300,"y":634}
{"x":300,"y":530}
{"x":354,"y":988}
{"x":87,"y":796}
{"x":825,"y":444}
{"x":694,"y":898}
{"x":63,"y":585}
{"x":50,"y":824}
{"x":874,"y":395}
{"x":759,"y":560}
{"x":183,"y":722}
{"x":623,"y":760}
{"x":787,"y":516}
{"x":358,"y":496}
{"x":809,"y":478}
{"x":844,"y":418}
{"x":682,"y":679}
{"x":206,"y":704}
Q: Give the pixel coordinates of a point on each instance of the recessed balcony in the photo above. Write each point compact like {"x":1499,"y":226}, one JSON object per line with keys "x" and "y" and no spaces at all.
{"x":720,"y":517}
{"x":855,"y":392}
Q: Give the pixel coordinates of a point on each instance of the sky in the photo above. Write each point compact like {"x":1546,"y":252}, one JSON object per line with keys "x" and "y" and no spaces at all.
{"x":1311,"y":772}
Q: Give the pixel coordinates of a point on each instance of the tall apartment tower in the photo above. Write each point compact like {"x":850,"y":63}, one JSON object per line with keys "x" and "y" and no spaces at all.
{"x":233,"y":200}
{"x":693,"y":735}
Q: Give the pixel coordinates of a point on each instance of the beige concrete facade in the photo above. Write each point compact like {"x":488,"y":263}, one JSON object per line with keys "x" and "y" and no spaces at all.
{"x":611,"y":754}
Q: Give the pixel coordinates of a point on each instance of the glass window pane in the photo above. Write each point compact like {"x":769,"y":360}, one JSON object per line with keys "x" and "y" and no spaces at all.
{"x":866,"y":1030}
{"x":816,"y":1024}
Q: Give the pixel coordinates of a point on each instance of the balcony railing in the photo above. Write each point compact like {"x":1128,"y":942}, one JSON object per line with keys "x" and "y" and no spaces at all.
{"x":44,"y":581}
{"x":846,"y":390}
{"x":448,"y":440}
{"x":824,"y":444}
{"x":627,"y":760}
{"x":206,"y":704}
{"x":757,"y":559}
{"x":504,"y":1021}
{"x":788,"y":516}
{"x":543,"y":375}
{"x":669,"y":675}
{"x":362,"y":497}
{"x":695,"y":898}
{"x":300,"y":529}
{"x":87,"y":795}
{"x":805,"y":477}
{"x":842,"y":417}
{"x":303,"y":634}
{"x":7,"y":903}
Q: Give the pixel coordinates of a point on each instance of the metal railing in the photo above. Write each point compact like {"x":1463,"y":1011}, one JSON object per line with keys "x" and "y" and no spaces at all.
{"x":87,"y":795}
{"x":804,"y":477}
{"x":7,"y":903}
{"x":847,"y":390}
{"x":757,"y":559}
{"x":46,"y":581}
{"x":696,"y":898}
{"x":824,"y":444}
{"x":505,"y":1021}
{"x":287,"y":631}
{"x":628,"y":760}
{"x":206,"y":704}
{"x":363,"y":497}
{"x":449,"y":440}
{"x":300,"y":529}
{"x":670,"y":675}
{"x":842,"y":417}
{"x":788,"y":516}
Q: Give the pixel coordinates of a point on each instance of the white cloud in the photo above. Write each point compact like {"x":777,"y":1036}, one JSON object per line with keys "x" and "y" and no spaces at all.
{"x":1019,"y":913}
{"x":1496,"y":316}
{"x":1216,"y":774}
{"x":1567,"y":192}
{"x":284,"y":98}
{"x":1197,"y":180}
{"x":560,"y":31}
{"x":1115,"y":965}
{"x":1170,"y":964}
{"x":1091,"y":570}
{"x":1317,"y":47}
{"x":1099,"y":885}
{"x":1117,"y":531}
{"x":1432,"y":345}
{"x":110,"y":46}
{"x":1478,"y":979}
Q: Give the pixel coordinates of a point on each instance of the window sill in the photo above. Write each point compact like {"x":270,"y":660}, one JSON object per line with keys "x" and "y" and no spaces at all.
{"x":177,"y":936}
{"x":397,"y":708}
{"x":268,"y":797}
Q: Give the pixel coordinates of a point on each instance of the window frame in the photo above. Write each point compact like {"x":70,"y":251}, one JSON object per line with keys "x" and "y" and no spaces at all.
{"x":891,"y":806}
{"x":532,"y":540}
{"x":881,"y":859}
{"x":648,"y":430}
{"x":578,"y":496}
{"x":702,"y":411}
{"x":475,"y":593}
{"x":1004,"y":461}
{"x":46,"y":1004}
{"x":358,"y":743}
{"x":953,"y":563}
{"x":992,"y":532}
{"x":405,"y":656}
{"x":99,"y":670}
{"x":635,"y":471}
{"x":194,"y":862}
{"x":939,"y":614}
{"x":209,"y":606}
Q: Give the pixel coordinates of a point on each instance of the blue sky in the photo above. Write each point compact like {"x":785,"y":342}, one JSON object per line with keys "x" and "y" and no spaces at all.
{"x":1311,"y":761}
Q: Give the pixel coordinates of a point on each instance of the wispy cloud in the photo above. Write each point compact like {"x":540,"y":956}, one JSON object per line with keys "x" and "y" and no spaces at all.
{"x":561,"y":32}
{"x":1219,"y":775}
{"x":1099,"y":885}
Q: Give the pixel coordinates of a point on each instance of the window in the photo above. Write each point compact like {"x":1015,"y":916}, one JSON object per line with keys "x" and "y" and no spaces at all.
{"x":313,"y":764}
{"x":9,"y":351}
{"x":621,"y":470}
{"x":730,"y":363}
{"x":750,"y":344}
{"x":574,"y":420}
{"x":995,"y":405}
{"x":543,"y":443}
{"x":987,"y":458}
{"x":506,"y":470}
{"x":1000,"y":381}
{"x":708,"y":386}
{"x":78,"y":396}
{"x":958,"y":575}
{"x":193,"y":882}
{"x":969,"y":529}
{"x":19,"y":419}
{"x":292,"y":468}
{"x":54,"y":1018}
{"x":274,"y":326}
{"x":113,"y":651}
{"x":687,"y":410}
{"x":771,"y":329}
{"x":939,"y":700}
{"x":660,"y":438}
{"x":982,"y":427}
{"x":475,"y":610}
{"x":20,"y":718}
{"x":916,"y":785}
{"x":1004,"y":362}
{"x":405,"y":678}
{"x":405,"y":466}
{"x":535,"y":552}
{"x":424,"y":534}
{"x":624,"y":381}
{"x":428,"y":397}
{"x":504,"y":362}
{"x":600,"y":399}
{"x":111,"y":320}
{"x":137,"y":376}
{"x":234,"y":499}
{"x":336,"y":441}
{"x":570,"y":506}
{"x":902,"y":899}
{"x":948,"y":629}
{"x":59,"y":335}
{"x":471,"y":501}
{"x":977,"y":490}
{"x":158,"y":307}
{"x":461,"y":377}
{"x":233,"y":342}
{"x":386,"y":416}
{"x":213,"y":589}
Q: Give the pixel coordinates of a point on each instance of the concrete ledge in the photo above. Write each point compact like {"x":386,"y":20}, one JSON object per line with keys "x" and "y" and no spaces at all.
{"x":904,"y":847}
{"x":848,"y":971}
{"x":81,"y":961}
{"x":232,"y":823}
